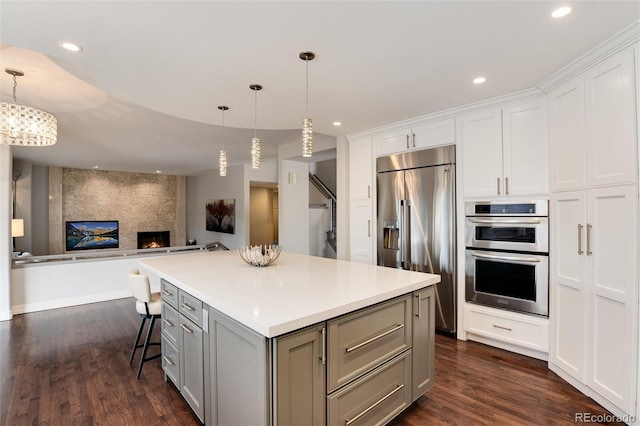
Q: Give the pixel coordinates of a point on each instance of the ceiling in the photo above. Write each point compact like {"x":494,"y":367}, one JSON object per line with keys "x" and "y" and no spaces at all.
{"x":143,"y":93}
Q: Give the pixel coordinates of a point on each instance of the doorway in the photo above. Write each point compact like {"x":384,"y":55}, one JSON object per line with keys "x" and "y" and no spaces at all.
{"x":263,"y":213}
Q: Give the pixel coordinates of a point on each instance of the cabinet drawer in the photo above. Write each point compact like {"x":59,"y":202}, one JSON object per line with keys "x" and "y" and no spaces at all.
{"x":375,"y":398}
{"x":360,"y":341}
{"x":171,"y":360}
{"x":522,"y":330}
{"x":169,"y":323}
{"x":169,"y":293}
{"x":190,"y":307}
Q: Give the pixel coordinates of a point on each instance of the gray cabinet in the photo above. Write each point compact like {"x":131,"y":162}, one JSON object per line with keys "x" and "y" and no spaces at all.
{"x":423,"y":341}
{"x":364,"y":367}
{"x":300,"y":377}
{"x":183,"y":345}
{"x":192,"y":365}
{"x":362,"y":340}
{"x":239,"y":377}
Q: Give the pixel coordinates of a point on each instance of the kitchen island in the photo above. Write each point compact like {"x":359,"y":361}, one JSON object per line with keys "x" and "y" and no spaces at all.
{"x":307,"y":340}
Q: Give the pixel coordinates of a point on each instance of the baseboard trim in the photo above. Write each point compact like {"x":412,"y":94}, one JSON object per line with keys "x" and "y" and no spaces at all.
{"x":65,"y":303}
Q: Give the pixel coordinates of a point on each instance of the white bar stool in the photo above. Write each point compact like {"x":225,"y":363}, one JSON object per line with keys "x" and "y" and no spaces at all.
{"x":148,"y":306}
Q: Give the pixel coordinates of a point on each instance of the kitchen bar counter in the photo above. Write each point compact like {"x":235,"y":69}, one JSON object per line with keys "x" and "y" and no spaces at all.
{"x":307,"y":340}
{"x":294,"y":292}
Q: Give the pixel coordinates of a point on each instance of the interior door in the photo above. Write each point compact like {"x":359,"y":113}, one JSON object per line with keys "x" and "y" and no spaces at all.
{"x":431,"y":195}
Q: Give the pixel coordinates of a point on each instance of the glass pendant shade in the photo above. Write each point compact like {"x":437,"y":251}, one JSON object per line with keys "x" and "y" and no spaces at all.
{"x":223,"y":162}
{"x":24,"y":125}
{"x":307,"y":123}
{"x":255,"y":153}
{"x":255,"y":142}
{"x":307,"y":137}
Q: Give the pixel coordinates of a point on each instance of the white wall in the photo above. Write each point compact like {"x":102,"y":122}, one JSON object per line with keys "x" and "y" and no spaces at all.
{"x":210,"y":185}
{"x":5,"y":233}
{"x":294,"y":205}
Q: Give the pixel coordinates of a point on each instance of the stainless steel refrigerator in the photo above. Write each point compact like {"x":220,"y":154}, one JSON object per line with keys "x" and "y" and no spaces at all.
{"x":416,"y":220}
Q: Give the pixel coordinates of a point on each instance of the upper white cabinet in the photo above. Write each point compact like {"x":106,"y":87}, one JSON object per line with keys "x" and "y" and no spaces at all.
{"x":418,"y":137}
{"x":593,"y":127}
{"x":361,"y":188}
{"x":505,"y":150}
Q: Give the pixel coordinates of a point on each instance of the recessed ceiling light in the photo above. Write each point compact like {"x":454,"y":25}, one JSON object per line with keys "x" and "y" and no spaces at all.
{"x":561,"y":11}
{"x":337,"y":123}
{"x":479,"y":80}
{"x":158,"y":171}
{"x":72,"y":47}
{"x":95,"y":167}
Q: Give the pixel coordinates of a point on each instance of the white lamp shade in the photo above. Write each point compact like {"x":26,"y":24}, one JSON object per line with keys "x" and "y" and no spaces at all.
{"x":17,"y":227}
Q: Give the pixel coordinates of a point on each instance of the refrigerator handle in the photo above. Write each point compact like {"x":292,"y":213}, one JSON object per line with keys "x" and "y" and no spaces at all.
{"x":401,"y":234}
{"x":407,"y":235}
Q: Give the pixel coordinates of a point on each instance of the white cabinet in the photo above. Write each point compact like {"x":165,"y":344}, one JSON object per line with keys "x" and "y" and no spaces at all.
{"x":593,"y":127}
{"x":505,"y":150}
{"x":417,"y":137}
{"x":594,"y":233}
{"x":594,"y":289}
{"x":361,"y":201}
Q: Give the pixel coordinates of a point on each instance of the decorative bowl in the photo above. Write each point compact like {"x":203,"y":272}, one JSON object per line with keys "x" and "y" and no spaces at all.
{"x":262,"y":255}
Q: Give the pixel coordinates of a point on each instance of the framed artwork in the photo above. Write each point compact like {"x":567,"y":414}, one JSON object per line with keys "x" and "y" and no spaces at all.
{"x":91,"y":234}
{"x":221,"y":216}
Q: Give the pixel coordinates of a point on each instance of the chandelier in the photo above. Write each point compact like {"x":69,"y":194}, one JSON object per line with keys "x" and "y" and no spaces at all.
{"x":307,"y":123}
{"x":222,"y":162}
{"x":23,"y":125}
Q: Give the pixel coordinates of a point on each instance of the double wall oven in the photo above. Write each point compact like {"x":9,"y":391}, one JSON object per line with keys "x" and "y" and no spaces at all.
{"x":507,"y":255}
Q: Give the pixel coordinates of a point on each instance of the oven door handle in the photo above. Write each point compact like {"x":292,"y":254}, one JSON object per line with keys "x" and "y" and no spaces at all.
{"x":507,"y":221}
{"x":508,"y":258}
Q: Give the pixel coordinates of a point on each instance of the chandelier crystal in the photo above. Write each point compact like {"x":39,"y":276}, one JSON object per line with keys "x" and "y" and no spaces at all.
{"x":307,"y":123}
{"x":222,"y":161}
{"x":23,"y":125}
{"x":255,"y":142}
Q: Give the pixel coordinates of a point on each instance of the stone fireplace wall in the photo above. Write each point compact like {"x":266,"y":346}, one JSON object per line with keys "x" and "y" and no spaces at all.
{"x":139,"y":201}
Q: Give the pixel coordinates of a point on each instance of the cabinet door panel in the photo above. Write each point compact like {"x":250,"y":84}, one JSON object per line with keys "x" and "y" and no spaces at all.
{"x":525,"y":148}
{"x":424,"y":317}
{"x":192,"y":365}
{"x":611,"y":121}
{"x":612,"y":271}
{"x":482,"y":153}
{"x":300,"y":378}
{"x":360,"y":169}
{"x":434,"y":134}
{"x":361,"y":231}
{"x":391,"y":143}
{"x":567,"y":136}
{"x":568,"y":285}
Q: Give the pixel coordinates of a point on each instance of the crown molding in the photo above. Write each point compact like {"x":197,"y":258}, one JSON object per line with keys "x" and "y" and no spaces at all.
{"x":626,"y":37}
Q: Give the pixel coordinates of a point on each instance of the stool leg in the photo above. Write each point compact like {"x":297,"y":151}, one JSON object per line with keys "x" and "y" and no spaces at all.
{"x":135,"y":344}
{"x":146,"y":345}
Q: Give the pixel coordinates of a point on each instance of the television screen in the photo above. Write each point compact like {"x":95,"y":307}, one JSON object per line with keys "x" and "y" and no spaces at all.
{"x":93,"y":234}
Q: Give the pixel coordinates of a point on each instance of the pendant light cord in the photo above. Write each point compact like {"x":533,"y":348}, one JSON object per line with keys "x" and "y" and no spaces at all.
{"x":255,"y":113}
{"x":307,"y":62}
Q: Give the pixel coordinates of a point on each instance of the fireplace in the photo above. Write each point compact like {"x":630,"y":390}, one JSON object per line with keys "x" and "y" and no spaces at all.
{"x":155,"y":239}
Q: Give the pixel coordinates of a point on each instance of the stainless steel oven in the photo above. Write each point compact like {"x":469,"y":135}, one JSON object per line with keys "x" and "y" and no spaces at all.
{"x":507,"y":255}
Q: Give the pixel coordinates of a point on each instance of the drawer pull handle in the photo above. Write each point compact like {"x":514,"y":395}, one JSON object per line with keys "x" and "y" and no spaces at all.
{"x":187,"y":307}
{"x":375,"y":404}
{"x":186,"y":328}
{"x":167,"y":322}
{"x":373,"y":339}
{"x":166,"y":292}
{"x":502,"y":328}
{"x":168,"y":361}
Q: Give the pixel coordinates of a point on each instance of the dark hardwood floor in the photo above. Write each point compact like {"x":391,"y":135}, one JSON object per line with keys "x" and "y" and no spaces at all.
{"x":70,"y":367}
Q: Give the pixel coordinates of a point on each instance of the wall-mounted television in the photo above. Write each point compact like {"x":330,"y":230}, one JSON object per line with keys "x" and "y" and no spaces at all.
{"x":92,"y":234}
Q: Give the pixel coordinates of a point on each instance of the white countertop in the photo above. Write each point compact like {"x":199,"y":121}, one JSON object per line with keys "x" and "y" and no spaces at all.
{"x":293,"y":292}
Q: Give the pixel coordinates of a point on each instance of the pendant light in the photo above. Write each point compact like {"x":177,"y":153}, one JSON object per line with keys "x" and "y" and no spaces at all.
{"x":24,"y":125}
{"x":222,"y":162}
{"x":255,"y":142}
{"x":307,"y":123}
